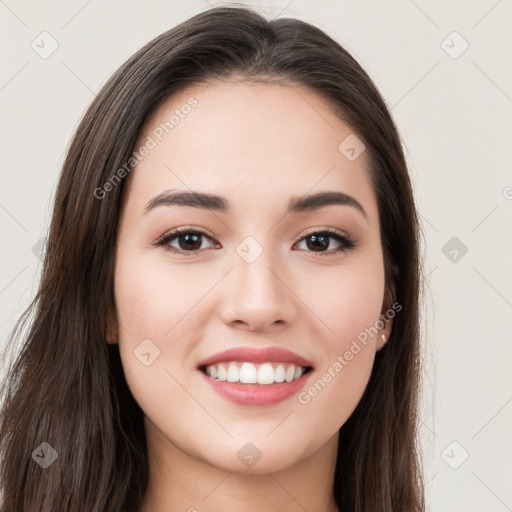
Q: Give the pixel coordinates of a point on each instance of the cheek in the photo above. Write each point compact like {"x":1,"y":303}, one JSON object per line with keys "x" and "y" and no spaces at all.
{"x":153,"y":299}
{"x":157,"y":306}
{"x":152,"y":311}
{"x":166,"y":304}
{"x":347,"y":300}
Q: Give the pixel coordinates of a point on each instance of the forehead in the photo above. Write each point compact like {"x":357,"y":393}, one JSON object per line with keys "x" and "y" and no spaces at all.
{"x":249,"y":142}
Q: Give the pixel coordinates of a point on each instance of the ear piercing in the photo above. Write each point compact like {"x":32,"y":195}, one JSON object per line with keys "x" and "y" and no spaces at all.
{"x":383,"y":338}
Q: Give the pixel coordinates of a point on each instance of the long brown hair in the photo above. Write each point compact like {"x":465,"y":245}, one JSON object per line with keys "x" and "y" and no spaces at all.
{"x":66,"y":386}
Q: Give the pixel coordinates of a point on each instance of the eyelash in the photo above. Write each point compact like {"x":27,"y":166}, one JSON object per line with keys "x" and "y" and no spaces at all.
{"x":347,"y":243}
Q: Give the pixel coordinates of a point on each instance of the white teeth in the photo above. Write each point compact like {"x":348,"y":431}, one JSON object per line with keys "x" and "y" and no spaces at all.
{"x":221,"y":372}
{"x":290,"y":373}
{"x":266,"y":374}
{"x":233,"y":373}
{"x":279,"y":373}
{"x":250,"y":373}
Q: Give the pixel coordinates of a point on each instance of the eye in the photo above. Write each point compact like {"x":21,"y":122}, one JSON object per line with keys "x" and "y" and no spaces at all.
{"x":187,"y":240}
{"x":319,"y":242}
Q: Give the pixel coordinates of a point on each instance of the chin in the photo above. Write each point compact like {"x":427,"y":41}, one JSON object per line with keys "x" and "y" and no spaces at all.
{"x":253,"y":457}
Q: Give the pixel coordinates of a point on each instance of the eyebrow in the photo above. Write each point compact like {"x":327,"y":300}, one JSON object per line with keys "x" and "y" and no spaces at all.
{"x":218,"y":203}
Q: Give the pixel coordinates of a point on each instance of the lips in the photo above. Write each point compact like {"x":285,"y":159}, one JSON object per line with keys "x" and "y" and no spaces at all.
{"x":256,"y":377}
{"x":253,"y":355}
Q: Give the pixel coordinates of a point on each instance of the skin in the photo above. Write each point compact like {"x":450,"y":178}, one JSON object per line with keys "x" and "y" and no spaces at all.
{"x":258,"y":145}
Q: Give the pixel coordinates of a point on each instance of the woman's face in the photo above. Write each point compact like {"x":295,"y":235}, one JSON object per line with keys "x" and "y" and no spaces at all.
{"x":252,"y":272}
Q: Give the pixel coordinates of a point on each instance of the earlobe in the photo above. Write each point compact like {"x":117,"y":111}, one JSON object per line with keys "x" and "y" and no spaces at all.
{"x":382,"y":339}
{"x":384,"y":334}
{"x":381,"y":342}
{"x":388,"y":303}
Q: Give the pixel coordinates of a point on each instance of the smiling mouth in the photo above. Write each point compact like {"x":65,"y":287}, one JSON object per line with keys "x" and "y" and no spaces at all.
{"x":245,"y":372}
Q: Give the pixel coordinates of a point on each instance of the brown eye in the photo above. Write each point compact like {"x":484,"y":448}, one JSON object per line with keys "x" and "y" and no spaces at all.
{"x":183,"y":240}
{"x":320,"y":242}
{"x":190,"y":241}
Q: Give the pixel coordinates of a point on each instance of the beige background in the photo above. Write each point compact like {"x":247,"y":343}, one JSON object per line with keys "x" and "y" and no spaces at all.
{"x":453,"y":107}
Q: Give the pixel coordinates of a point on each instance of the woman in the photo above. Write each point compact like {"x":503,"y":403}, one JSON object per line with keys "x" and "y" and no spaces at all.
{"x":228,"y":312}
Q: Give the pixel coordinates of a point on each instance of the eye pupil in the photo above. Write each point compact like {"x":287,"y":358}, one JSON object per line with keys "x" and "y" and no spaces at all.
{"x":193,"y":241}
{"x":319,"y":242}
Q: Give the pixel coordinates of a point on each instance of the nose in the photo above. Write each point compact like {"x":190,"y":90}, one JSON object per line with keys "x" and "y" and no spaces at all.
{"x":258,"y":296}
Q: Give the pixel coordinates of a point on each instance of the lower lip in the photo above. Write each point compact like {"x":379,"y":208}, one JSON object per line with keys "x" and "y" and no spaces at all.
{"x":256,"y":394}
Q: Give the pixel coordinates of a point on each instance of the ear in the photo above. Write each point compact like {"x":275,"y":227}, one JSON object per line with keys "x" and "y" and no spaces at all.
{"x":112,"y":335}
{"x":386,"y":319}
{"x":384,"y":334}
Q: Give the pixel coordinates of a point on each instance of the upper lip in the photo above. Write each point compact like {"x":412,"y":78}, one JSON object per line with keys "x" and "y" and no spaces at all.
{"x":257,"y":355}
